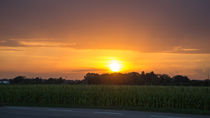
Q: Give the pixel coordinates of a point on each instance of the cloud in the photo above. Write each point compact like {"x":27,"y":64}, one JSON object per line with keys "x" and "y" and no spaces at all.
{"x":9,"y":49}
{"x":88,"y":70}
{"x":188,"y":50}
{"x":10,"y":43}
{"x":45,"y":44}
{"x":31,"y":43}
{"x":147,"y":47}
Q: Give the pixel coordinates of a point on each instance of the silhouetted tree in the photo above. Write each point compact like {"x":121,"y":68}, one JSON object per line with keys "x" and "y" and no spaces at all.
{"x":18,"y":80}
{"x":92,"y":78}
{"x":164,"y":79}
{"x":180,"y":80}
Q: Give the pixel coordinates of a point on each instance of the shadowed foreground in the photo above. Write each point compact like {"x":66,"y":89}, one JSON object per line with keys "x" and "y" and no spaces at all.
{"x":37,"y":112}
{"x":147,"y":98}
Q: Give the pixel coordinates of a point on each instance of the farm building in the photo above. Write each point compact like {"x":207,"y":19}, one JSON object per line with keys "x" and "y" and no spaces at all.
{"x":4,"y":82}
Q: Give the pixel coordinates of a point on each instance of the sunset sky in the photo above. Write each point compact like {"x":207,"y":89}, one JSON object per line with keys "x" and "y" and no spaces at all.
{"x":68,"y":38}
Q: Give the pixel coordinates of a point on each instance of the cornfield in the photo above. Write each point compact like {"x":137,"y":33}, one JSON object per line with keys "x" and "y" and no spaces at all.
{"x":154,"y":98}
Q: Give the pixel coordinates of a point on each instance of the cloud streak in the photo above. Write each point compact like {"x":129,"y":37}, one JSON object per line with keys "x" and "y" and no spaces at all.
{"x":19,"y":43}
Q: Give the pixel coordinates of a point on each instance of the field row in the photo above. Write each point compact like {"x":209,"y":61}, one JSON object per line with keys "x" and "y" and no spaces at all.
{"x":154,"y":98}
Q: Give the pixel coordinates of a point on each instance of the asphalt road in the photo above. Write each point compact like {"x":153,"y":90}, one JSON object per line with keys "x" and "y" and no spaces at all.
{"x":40,"y":112}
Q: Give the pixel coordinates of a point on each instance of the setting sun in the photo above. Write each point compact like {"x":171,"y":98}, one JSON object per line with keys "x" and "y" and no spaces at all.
{"x":115,"y":66}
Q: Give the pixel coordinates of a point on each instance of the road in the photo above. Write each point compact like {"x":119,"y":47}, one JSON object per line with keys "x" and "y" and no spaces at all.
{"x":41,"y":112}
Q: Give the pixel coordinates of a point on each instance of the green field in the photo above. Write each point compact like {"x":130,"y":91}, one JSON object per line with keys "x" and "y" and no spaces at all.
{"x":147,"y":98}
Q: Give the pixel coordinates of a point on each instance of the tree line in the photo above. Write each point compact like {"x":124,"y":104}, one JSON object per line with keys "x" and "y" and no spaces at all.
{"x":133,"y":78}
{"x":39,"y":80}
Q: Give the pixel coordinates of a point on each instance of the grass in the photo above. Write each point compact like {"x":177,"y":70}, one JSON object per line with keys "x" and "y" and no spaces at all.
{"x":145,"y":98}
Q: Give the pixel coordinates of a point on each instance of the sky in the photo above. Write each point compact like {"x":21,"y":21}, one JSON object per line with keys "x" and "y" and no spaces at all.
{"x":68,"y":38}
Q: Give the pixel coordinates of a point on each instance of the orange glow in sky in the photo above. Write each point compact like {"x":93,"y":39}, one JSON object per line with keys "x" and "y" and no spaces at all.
{"x":104,"y":36}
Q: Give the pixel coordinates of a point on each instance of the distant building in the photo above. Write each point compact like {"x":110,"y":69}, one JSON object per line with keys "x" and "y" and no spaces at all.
{"x":4,"y":82}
